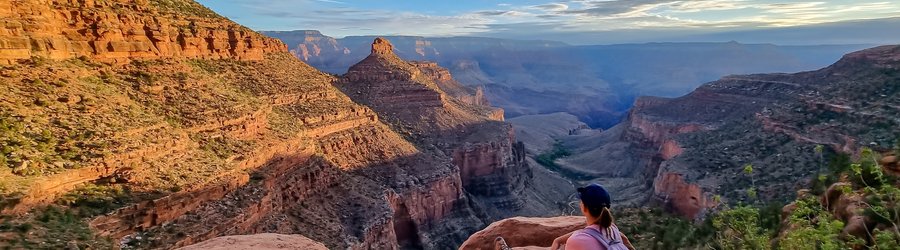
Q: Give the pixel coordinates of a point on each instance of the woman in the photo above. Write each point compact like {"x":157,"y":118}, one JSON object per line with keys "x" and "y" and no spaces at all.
{"x":601,"y":232}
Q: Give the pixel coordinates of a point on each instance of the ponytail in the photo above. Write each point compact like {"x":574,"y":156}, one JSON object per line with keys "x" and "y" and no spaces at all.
{"x":604,"y":220}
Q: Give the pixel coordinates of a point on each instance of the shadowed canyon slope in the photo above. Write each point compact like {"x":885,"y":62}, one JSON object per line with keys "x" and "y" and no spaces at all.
{"x":159,"y":124}
{"x":595,"y":83}
{"x":680,"y":152}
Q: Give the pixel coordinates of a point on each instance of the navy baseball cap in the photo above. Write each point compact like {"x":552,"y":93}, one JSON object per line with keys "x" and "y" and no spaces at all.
{"x":594,"y":196}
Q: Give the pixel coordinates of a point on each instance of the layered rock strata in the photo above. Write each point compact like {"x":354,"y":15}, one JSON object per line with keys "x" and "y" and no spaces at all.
{"x":207,"y":129}
{"x":122,"y":30}
{"x":310,"y":45}
{"x":439,"y":113}
{"x":686,"y":150}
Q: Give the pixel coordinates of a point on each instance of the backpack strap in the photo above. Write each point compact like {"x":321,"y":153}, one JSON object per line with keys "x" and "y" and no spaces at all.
{"x":614,"y":239}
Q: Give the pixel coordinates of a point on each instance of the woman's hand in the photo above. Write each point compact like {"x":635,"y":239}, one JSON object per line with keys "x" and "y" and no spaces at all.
{"x":560,"y":241}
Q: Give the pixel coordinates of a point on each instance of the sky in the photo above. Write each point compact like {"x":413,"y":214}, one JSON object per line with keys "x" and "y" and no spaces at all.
{"x":582,"y":21}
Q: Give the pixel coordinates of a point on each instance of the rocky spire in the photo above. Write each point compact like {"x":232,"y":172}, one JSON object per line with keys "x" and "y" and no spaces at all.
{"x":382,"y":47}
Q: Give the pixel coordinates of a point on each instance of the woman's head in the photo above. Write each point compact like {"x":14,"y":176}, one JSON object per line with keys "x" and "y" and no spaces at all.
{"x":595,"y":202}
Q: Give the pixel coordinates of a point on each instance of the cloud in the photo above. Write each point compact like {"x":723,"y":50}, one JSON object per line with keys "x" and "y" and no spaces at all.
{"x":549,"y":16}
{"x":499,"y":13}
{"x":551,"y":7}
{"x":846,"y":32}
{"x":618,"y":7}
{"x":330,"y":1}
{"x":708,"y":5}
{"x":567,"y":18}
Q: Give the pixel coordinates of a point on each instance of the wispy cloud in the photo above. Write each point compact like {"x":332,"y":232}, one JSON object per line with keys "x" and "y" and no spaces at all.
{"x":551,"y":7}
{"x":347,"y":17}
{"x":330,"y":1}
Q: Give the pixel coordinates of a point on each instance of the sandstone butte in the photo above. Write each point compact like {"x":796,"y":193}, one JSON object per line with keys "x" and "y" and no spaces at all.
{"x":180,"y":126}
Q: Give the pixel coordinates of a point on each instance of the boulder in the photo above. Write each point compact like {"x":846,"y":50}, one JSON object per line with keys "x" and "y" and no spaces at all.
{"x":524,"y":233}
{"x":258,"y":242}
{"x":891,"y":165}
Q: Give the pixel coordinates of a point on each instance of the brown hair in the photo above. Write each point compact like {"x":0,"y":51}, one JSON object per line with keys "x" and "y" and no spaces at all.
{"x":604,"y":218}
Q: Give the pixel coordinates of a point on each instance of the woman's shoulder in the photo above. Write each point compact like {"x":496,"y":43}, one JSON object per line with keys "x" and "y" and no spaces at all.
{"x":582,"y":240}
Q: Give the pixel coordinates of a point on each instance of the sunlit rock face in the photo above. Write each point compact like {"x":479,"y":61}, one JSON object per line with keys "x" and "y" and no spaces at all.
{"x":423,"y":100}
{"x":214,"y":130}
{"x":119,"y":31}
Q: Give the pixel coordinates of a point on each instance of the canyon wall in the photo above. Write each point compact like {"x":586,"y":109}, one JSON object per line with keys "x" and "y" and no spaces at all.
{"x":63,"y":29}
{"x":309,"y":45}
{"x":697,"y":146}
{"x":208,"y":129}
{"x":597,"y":83}
{"x":123,"y":30}
{"x":491,"y":163}
{"x":679,"y":153}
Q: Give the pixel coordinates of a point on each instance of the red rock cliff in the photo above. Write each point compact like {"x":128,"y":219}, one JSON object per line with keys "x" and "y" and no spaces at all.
{"x":123,"y":30}
{"x":263,"y":146}
{"x":422,"y":99}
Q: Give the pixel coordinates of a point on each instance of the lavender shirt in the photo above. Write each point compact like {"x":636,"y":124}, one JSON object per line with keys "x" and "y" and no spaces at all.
{"x":583,"y":241}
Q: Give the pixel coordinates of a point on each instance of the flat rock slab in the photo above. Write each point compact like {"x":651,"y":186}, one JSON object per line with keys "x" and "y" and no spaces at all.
{"x":258,"y":242}
{"x":524,"y":233}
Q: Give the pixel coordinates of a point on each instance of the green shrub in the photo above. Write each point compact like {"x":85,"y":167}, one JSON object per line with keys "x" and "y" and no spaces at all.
{"x":60,"y":83}
{"x":181,"y":8}
{"x":50,"y":228}
{"x":40,"y":102}
{"x":815,"y":228}
{"x":866,"y":172}
{"x":548,"y":158}
{"x":812,"y":226}
{"x":740,"y":228}
{"x":885,"y":239}
{"x":12,"y":138}
{"x":654,"y":229}
{"x":224,"y":147}
{"x":38,"y":60}
{"x":92,"y":199}
{"x":24,"y":228}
